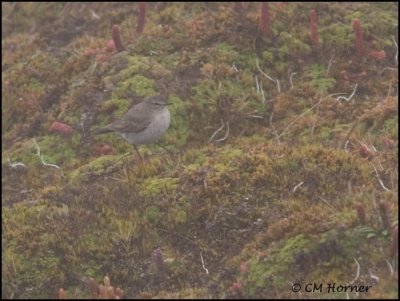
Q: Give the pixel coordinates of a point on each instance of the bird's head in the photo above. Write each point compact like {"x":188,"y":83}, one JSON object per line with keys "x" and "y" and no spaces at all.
{"x":159,"y":100}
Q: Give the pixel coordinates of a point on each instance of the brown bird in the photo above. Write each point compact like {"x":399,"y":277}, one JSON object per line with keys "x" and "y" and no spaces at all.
{"x":144,"y":123}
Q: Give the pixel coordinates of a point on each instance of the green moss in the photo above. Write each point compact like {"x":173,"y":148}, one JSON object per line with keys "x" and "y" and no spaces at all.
{"x":248,"y":60}
{"x":58,"y":150}
{"x":120,"y":106}
{"x":35,"y":86}
{"x":355,"y":15}
{"x":155,"y":187}
{"x":205,"y":96}
{"x":278,"y":171}
{"x":318,"y":79}
{"x":196,"y":156}
{"x":152,"y":214}
{"x":290,"y":165}
{"x":178,"y":131}
{"x":158,"y":71}
{"x":55,"y":149}
{"x":177,"y":215}
{"x":231,"y":154}
{"x":99,"y":166}
{"x":139,"y":85}
{"x":277,"y":266}
{"x":223,"y":100}
{"x":171,"y":59}
{"x":391,"y":125}
{"x":225,"y":53}
{"x":325,"y":133}
{"x":139,"y":65}
{"x":337,"y":35}
{"x":291,"y":45}
{"x":36,"y":264}
{"x":24,"y":152}
{"x":136,"y":65}
{"x":70,"y":117}
{"x":268,"y":56}
{"x":204,"y":197}
{"x":382,"y":23}
{"x":43,"y":269}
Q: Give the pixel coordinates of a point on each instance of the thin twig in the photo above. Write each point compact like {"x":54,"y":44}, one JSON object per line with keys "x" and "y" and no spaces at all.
{"x":234,"y":67}
{"x":94,"y":15}
{"x":263,"y":73}
{"x":255,"y":116}
{"x":314,"y":123}
{"x":387,"y":68}
{"x":370,"y":142}
{"x":376,"y":278}
{"x":257,"y":85}
{"x":202,"y":263}
{"x":329,"y":66}
{"x":390,"y":267}
{"x":269,"y":77}
{"x":346,"y":145}
{"x":301,"y":115}
{"x":272,"y":127}
{"x":226,"y":135}
{"x":397,"y":49}
{"x":38,"y":153}
{"x":328,"y":203}
{"x":379,"y":179}
{"x":380,"y":164}
{"x":357,"y":273}
{"x":217,"y":131}
{"x":37,"y":147}
{"x":47,"y":164}
{"x":291,"y":79}
{"x":351,"y":95}
{"x":262,"y":94}
{"x":15,"y":165}
{"x":346,"y":140}
{"x":297,"y":186}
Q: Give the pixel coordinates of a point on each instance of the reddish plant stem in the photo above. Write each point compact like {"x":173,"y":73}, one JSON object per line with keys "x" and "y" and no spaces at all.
{"x":141,"y":17}
{"x":265,"y":20}
{"x":61,"y":294}
{"x":116,"y":35}
{"x":360,"y":212}
{"x":314,"y":28}
{"x":358,"y":37}
{"x":158,"y":260}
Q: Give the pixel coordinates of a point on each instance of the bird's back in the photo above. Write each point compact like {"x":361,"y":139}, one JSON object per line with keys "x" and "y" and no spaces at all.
{"x":153,"y":131}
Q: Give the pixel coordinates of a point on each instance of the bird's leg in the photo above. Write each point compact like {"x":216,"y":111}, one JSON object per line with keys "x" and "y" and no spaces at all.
{"x":141,"y":158}
{"x":163,"y":147}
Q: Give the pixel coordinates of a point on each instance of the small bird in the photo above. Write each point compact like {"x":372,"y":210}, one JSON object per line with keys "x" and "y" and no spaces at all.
{"x":144,"y":123}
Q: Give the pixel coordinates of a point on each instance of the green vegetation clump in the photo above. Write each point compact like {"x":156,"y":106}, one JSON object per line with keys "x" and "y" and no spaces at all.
{"x":337,"y":35}
{"x":318,"y":79}
{"x":99,"y":166}
{"x":266,"y":176}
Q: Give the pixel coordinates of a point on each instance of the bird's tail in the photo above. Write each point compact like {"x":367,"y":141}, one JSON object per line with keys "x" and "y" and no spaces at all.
{"x":101,"y":131}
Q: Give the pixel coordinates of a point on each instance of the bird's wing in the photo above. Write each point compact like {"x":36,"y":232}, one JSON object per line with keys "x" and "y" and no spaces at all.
{"x":133,"y":121}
